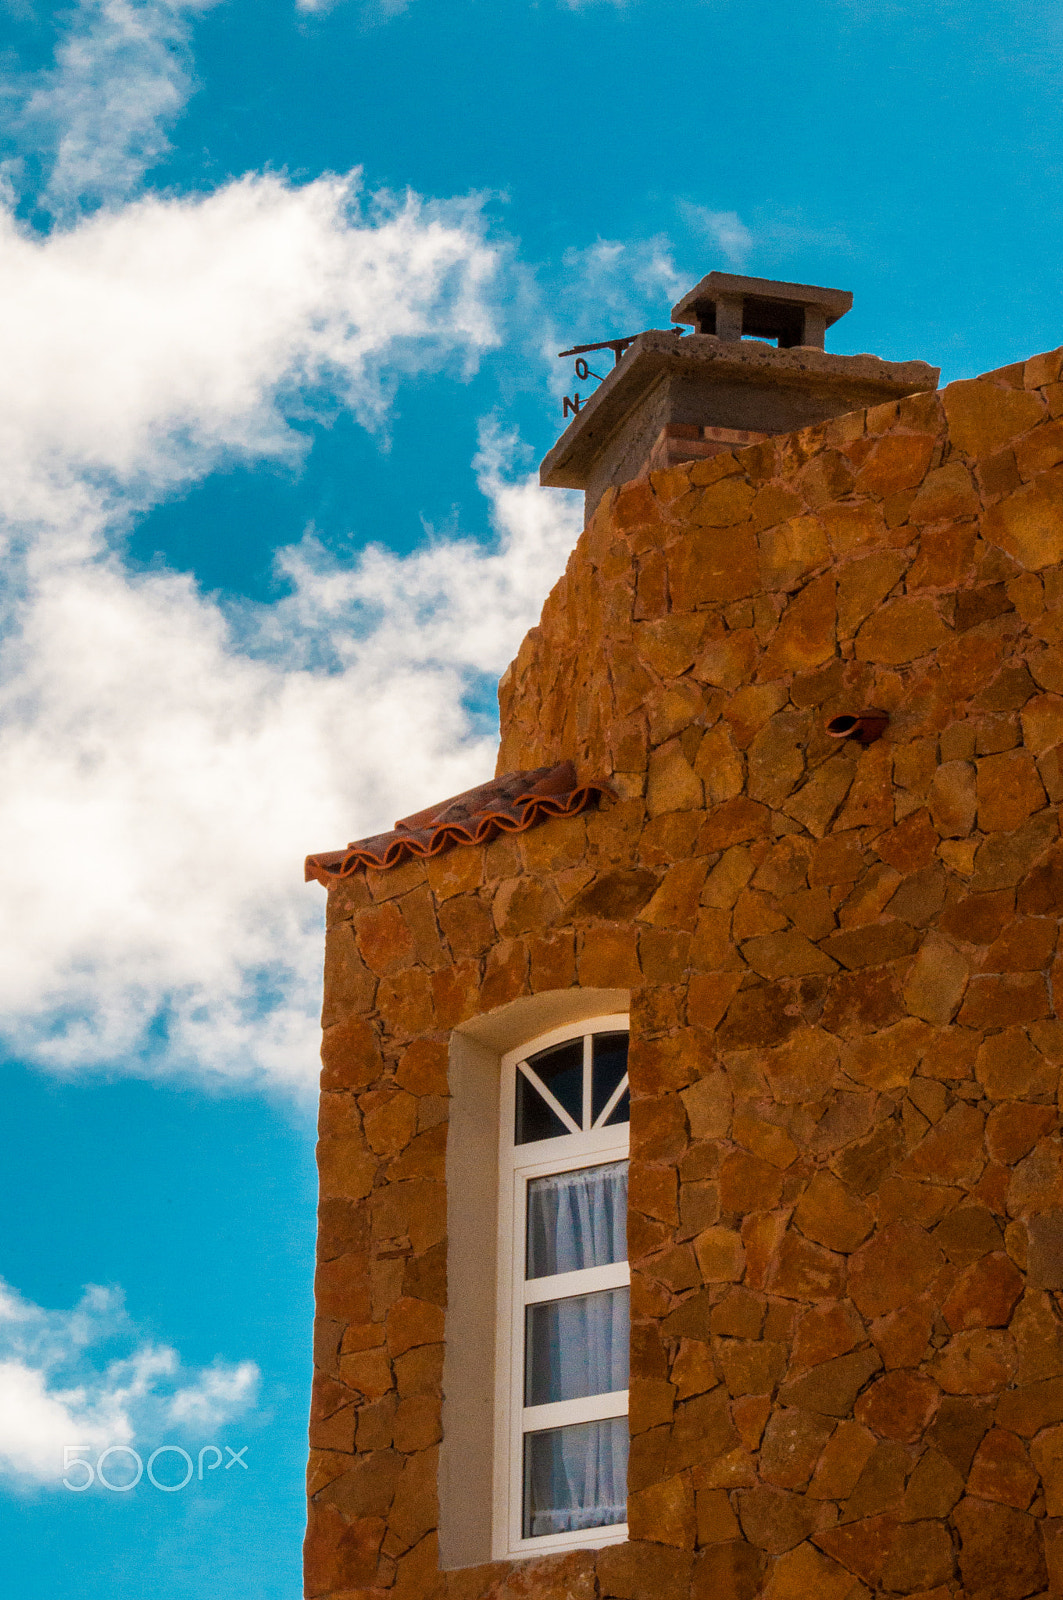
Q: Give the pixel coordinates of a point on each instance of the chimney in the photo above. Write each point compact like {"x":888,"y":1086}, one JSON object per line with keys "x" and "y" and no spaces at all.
{"x":675,"y":397}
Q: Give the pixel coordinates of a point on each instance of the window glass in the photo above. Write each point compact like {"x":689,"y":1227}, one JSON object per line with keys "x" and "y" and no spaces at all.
{"x":575,"y":1477}
{"x":577,"y":1219}
{"x":609,"y":1054}
{"x":561,"y":1069}
{"x":576,"y":1347}
{"x":535,"y":1119}
{"x":622,"y":1112}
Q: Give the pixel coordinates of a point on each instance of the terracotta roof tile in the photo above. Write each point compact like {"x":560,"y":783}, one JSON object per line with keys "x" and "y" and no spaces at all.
{"x":510,"y":804}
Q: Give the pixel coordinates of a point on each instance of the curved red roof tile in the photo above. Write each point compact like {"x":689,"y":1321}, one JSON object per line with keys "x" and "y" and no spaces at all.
{"x":510,"y":804}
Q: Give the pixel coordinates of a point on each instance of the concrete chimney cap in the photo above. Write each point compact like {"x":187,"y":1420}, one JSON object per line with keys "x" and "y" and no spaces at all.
{"x":833,"y":303}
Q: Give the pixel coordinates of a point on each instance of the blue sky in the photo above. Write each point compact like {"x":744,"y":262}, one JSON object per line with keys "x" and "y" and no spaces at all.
{"x":281,"y":287}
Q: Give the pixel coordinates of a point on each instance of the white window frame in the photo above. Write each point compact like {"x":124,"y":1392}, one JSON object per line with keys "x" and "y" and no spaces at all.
{"x":517,"y":1165}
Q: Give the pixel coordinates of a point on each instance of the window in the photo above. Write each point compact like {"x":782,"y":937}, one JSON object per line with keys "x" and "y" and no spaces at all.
{"x":563,"y":1292}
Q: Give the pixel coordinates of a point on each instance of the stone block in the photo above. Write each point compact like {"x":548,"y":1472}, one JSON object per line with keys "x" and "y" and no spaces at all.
{"x":823,"y":1332}
{"x":413,"y":1322}
{"x":954,"y":799}
{"x":843,"y":1461}
{"x":714,"y":569}
{"x":1027,"y":945}
{"x":863,"y":585}
{"x":775,"y":1520}
{"x":1001,"y":1555}
{"x":937,"y":981}
{"x":1037,"y":1182}
{"x":832,"y":1387}
{"x":982,"y":417}
{"x":721,"y":1255}
{"x":730,"y":1571}
{"x":951,"y":1150}
{"x":806,"y":1571}
{"x":830,"y":1215}
{"x":976,"y":1362}
{"x":967,"y":1234}
{"x":933,"y":1488}
{"x":1009,"y":790}
{"x":716,"y":1522}
{"x":694,"y":1369}
{"x":897,"y":1265}
{"x":818,"y":801}
{"x":789,"y":954}
{"x":749,"y":1184}
{"x":898,"y":1406}
{"x":727,"y":659}
{"x":1004,"y":859}
{"x":791,"y":1447}
{"x":791,"y":550}
{"x":639,"y":1570}
{"x":945,"y":494}
{"x":664,"y":1513}
{"x":709,"y":997}
{"x":708,"y":1105}
{"x":897,"y":461}
{"x":920,"y":1558}
{"x":1001,"y":1002}
{"x":805,"y":637}
{"x":750,"y":1366}
{"x":984,"y":1295}
{"x":860,"y":1547}
{"x":1028,"y":523}
{"x":1001,"y":1470}
{"x":900,"y":631}
{"x":880,"y":1487}
{"x":1046,"y":1248}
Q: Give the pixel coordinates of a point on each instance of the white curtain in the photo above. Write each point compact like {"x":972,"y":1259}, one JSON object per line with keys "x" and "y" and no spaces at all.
{"x":577,"y":1346}
{"x":576,"y":1477}
{"x":577,"y":1219}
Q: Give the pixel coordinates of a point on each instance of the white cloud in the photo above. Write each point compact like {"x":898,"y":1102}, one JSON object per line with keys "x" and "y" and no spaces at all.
{"x":165,"y":763}
{"x":144,"y":346}
{"x":601,"y":291}
{"x":159,"y":786}
{"x":621,"y":278}
{"x":372,"y":11}
{"x":724,"y":229}
{"x":122,"y":75}
{"x":53,"y":1393}
{"x":161,"y":777}
{"x":780,"y":237}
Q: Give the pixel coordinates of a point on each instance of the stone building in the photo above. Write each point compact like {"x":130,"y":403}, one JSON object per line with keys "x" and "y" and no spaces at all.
{"x":793,"y":993}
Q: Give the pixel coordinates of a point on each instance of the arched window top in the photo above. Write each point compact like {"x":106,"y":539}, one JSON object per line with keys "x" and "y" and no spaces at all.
{"x":574,"y":1084}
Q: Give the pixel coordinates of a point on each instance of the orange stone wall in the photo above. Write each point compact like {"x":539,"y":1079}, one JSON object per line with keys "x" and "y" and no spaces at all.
{"x":846,"y":1225}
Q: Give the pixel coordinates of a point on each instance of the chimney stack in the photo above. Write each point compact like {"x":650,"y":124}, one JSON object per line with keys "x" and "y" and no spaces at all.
{"x":675,"y":397}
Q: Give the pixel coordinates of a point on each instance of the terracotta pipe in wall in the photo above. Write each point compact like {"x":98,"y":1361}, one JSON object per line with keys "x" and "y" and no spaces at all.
{"x":865,"y":727}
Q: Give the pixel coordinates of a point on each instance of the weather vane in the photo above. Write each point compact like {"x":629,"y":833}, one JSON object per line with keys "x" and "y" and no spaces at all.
{"x":617,"y":346}
{"x":571,"y":407}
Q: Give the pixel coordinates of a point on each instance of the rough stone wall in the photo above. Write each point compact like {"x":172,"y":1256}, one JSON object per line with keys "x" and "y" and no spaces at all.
{"x":846,"y":1226}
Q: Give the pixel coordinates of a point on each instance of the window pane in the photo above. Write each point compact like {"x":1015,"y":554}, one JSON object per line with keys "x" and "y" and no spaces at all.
{"x":610,"y":1064}
{"x":575,"y":1477}
{"x":577,"y":1219}
{"x":576,"y":1347}
{"x":535,"y":1119}
{"x":621,"y":1111}
{"x":561,"y":1069}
